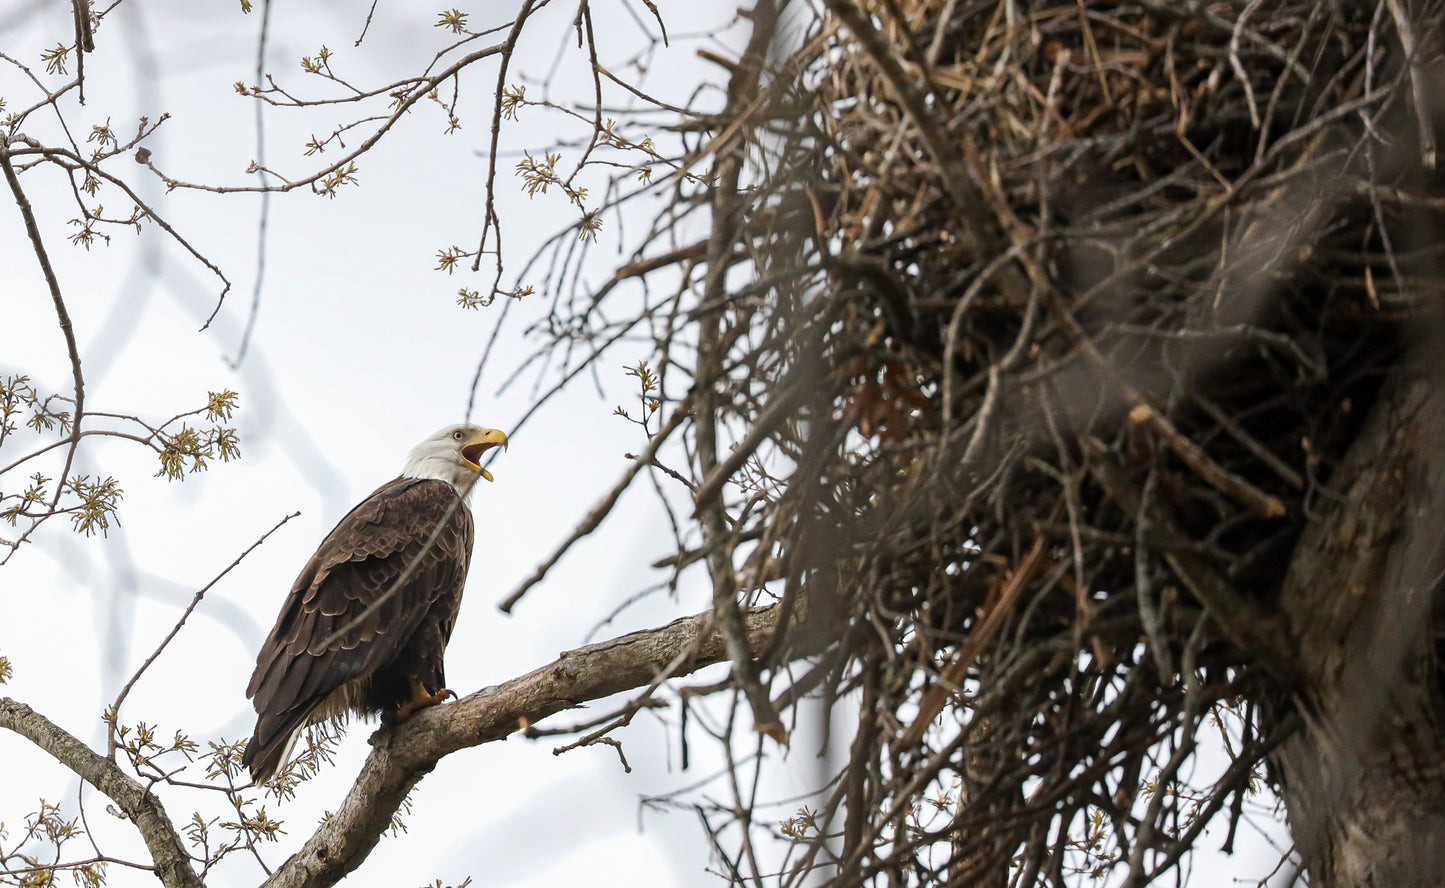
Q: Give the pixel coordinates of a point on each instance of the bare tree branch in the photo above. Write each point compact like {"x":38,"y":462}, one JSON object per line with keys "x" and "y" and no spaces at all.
{"x":406,"y":754}
{"x":32,"y":228}
{"x":172,"y":863}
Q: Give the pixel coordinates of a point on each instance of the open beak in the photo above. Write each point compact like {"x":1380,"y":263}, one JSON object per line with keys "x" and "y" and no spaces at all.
{"x":479,"y":444}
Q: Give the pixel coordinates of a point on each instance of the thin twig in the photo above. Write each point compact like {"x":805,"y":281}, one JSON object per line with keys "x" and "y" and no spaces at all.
{"x":114,"y":714}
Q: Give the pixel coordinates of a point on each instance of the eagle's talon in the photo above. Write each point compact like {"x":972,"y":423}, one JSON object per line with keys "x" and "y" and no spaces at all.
{"x":421,"y":698}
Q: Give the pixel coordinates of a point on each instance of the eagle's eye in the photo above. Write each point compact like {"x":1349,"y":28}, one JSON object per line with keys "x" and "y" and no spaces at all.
{"x":456,"y":436}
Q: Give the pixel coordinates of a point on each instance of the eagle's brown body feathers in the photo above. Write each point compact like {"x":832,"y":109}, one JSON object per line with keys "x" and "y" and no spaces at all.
{"x":306,"y":673}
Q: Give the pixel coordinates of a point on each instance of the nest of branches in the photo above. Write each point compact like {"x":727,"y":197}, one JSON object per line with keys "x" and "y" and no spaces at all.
{"x":1065,"y":313}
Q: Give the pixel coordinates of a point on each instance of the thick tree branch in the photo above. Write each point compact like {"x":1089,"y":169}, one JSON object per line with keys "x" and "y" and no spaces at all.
{"x":172,"y":863}
{"x":1365,"y":774}
{"x":403,"y":756}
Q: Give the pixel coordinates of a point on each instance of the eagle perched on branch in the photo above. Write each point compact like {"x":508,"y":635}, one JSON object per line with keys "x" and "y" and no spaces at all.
{"x":366,"y":622}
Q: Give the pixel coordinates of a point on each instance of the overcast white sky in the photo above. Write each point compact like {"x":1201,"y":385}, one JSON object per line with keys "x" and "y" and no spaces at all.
{"x":359,"y":352}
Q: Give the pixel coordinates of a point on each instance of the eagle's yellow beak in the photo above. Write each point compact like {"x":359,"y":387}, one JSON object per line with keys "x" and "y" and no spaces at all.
{"x":480,"y":443}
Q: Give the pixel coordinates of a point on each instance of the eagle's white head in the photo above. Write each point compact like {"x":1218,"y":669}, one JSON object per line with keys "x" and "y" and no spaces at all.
{"x":454,"y":455}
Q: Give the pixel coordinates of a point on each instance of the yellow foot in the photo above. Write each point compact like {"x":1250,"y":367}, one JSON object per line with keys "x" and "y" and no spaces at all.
{"x":420,"y":699}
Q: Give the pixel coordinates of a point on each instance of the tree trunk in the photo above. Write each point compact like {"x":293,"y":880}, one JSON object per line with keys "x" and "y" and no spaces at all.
{"x":1364,"y":782}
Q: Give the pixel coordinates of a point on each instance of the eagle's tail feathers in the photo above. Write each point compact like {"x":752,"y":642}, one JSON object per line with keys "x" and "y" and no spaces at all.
{"x":264,"y":759}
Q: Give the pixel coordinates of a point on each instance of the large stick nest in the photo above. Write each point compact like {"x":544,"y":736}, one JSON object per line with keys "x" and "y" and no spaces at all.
{"x":1085,"y":301}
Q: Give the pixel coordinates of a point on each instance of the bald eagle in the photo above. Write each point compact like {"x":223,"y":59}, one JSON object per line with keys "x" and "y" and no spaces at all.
{"x":366,"y":622}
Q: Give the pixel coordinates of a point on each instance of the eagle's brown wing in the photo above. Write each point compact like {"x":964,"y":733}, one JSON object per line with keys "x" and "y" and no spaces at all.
{"x":359,"y":561}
